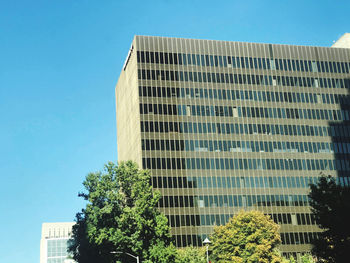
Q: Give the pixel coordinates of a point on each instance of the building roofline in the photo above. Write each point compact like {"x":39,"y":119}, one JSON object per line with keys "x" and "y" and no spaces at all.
{"x":242,"y":42}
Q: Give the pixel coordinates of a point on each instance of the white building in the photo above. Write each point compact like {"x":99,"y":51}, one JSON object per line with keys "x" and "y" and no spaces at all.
{"x":53,"y":244}
{"x":343,"y":41}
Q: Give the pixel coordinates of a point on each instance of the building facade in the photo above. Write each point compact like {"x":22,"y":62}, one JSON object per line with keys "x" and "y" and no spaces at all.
{"x":225,"y":126}
{"x":343,"y":41}
{"x":53,"y":243}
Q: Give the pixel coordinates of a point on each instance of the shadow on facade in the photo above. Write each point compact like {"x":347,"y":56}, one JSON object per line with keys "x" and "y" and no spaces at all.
{"x":339,"y":131}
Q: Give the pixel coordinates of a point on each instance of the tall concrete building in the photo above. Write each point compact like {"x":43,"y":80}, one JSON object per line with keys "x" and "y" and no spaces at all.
{"x":343,"y":41}
{"x":225,"y":126}
{"x":53,"y":243}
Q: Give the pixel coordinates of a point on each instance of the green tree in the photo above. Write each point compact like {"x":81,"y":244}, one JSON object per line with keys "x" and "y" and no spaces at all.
{"x":307,"y":259}
{"x":191,"y":255}
{"x":120,"y":215}
{"x":330,"y":204}
{"x":82,"y":249}
{"x":247,"y":237}
{"x":291,"y":260}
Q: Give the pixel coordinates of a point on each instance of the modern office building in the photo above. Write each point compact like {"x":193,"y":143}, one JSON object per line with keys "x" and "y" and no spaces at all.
{"x":225,"y":126}
{"x":53,"y":243}
{"x":343,"y":41}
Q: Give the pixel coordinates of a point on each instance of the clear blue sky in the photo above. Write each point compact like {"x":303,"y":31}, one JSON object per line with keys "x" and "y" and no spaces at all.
{"x":59,"y":64}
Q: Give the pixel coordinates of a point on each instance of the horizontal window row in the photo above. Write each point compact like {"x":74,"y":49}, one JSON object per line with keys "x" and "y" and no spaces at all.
{"x":244,"y":146}
{"x":239,"y":182}
{"x":250,"y":112}
{"x":288,"y":238}
{"x":187,"y":240}
{"x":229,"y":78}
{"x":185,"y":220}
{"x":334,"y":131}
{"x":233,"y":201}
{"x":290,"y":113}
{"x":222,"y":219}
{"x":247,"y":95}
{"x":242,"y":62}
{"x":245,"y":164}
{"x":297,"y":238}
{"x":234,"y":182}
{"x":294,"y":219}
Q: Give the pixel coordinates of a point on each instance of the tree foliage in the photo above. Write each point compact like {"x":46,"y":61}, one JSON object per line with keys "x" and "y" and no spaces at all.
{"x":120,"y":215}
{"x":307,"y":259}
{"x":330,"y":204}
{"x":80,"y":246}
{"x":247,"y":237}
{"x":191,"y":255}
